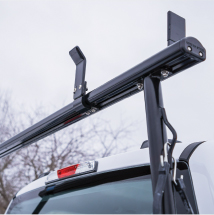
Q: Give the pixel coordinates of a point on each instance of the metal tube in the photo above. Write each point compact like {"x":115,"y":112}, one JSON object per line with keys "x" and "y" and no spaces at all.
{"x":175,"y":57}
{"x":157,"y":136}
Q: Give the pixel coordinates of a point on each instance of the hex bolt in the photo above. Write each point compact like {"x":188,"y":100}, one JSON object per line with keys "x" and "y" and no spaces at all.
{"x":139,"y":86}
{"x":189,"y":48}
{"x":75,"y":89}
{"x":201,"y":54}
{"x":164,"y":73}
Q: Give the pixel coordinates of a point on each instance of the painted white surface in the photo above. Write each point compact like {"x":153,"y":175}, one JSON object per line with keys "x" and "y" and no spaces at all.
{"x":202,"y":170}
{"x":123,"y":160}
{"x":33,"y":185}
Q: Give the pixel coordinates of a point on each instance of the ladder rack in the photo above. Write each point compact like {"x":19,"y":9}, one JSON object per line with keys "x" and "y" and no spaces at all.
{"x":171,"y":60}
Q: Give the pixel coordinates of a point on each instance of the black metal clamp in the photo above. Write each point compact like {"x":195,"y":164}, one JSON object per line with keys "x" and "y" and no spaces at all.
{"x":79,"y":59}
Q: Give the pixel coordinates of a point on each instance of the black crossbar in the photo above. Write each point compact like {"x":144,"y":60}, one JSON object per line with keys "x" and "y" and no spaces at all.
{"x":175,"y":58}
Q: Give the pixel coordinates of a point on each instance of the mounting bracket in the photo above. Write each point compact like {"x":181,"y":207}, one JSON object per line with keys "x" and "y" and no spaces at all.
{"x":176,"y":28}
{"x":79,"y":59}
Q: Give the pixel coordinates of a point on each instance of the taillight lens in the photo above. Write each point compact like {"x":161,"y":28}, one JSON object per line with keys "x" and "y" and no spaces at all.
{"x":73,"y":170}
{"x":67,"y":171}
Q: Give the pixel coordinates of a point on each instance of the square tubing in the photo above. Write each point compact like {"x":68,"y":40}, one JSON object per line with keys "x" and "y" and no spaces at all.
{"x":157,"y":136}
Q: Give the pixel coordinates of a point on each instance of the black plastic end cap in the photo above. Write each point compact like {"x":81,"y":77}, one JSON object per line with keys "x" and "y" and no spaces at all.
{"x":77,"y":55}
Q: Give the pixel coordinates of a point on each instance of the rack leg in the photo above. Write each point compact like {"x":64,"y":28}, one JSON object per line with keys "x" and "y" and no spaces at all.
{"x":157,"y":136}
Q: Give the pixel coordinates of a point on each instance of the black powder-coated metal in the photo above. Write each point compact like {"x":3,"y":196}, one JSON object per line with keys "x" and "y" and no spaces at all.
{"x":188,"y":151}
{"x":176,"y":28}
{"x":174,"y":135}
{"x":174,"y":58}
{"x":157,"y":136}
{"x":156,"y":128}
{"x":80,"y":62}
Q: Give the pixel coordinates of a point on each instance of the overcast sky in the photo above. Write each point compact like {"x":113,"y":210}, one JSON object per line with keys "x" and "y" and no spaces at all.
{"x":35,"y":66}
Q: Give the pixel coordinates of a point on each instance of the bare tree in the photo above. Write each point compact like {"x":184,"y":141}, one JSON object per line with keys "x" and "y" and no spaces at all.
{"x":7,"y":129}
{"x":72,"y":145}
{"x":75,"y":144}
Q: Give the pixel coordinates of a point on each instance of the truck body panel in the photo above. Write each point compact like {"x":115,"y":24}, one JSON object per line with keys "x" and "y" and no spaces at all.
{"x":119,"y":161}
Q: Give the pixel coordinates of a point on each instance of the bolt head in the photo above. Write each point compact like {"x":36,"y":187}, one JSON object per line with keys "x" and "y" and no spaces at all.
{"x":75,"y":89}
{"x":80,"y":86}
{"x":139,"y":86}
{"x":164,"y":73}
{"x":93,"y":110}
{"x":201,"y":54}
{"x":189,"y":48}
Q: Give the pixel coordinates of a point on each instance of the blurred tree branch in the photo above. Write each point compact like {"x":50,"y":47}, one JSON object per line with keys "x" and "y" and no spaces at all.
{"x":77,"y":143}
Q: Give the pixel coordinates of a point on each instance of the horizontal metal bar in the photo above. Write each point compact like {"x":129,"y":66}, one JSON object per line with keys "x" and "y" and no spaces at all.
{"x":175,"y":58}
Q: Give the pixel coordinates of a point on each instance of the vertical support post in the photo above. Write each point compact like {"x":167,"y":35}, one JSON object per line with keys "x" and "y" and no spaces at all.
{"x":157,"y":136}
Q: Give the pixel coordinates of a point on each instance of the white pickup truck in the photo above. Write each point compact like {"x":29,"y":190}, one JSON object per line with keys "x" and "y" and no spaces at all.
{"x":118,"y":184}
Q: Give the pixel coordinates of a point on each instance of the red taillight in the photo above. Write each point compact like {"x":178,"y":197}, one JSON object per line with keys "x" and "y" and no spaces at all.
{"x":67,"y":171}
{"x":73,"y":170}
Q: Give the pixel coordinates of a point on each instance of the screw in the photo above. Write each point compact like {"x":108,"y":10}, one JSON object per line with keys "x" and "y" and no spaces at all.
{"x":75,"y":89}
{"x":88,"y":112}
{"x":139,"y":86}
{"x":164,"y":73}
{"x":80,"y":86}
{"x":93,"y":110}
{"x":201,"y":54}
{"x":189,"y":48}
